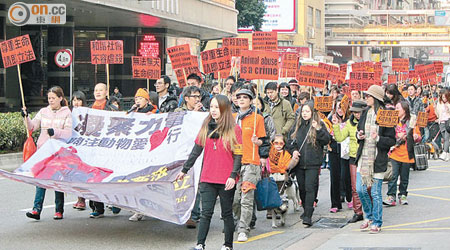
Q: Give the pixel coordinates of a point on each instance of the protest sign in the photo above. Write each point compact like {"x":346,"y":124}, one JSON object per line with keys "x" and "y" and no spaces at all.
{"x":343,"y":68}
{"x":392,"y":79}
{"x":107,"y":52}
{"x":259,"y":65}
{"x":400,"y":64}
{"x":345,"y":103}
{"x":426,"y":73}
{"x":122,"y":160}
{"x":267,"y":41}
{"x":422,"y":119}
{"x":180,"y":56}
{"x":193,"y":68}
{"x":361,"y":81}
{"x":235,"y":45}
{"x":289,"y":61}
{"x":16,"y":51}
{"x":438,"y":67}
{"x":216,"y":60}
{"x":312,"y":76}
{"x":387,"y":118}
{"x":146,"y":67}
{"x":332,"y":72}
{"x":323,"y":103}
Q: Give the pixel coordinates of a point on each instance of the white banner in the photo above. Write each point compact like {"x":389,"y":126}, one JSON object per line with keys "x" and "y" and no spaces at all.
{"x":129,"y":161}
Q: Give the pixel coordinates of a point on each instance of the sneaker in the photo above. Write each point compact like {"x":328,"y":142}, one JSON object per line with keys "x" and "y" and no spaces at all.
{"x":403,"y":200}
{"x":365,"y":225}
{"x":79,"y":205}
{"x":198,"y":247}
{"x":333,"y":210}
{"x":315,"y":204}
{"x":307,"y":222}
{"x":116,"y":210}
{"x":34,"y":215}
{"x":58,"y":216}
{"x":191,"y":224}
{"x":374,"y":229}
{"x":350,"y":205}
{"x":226,"y":248}
{"x":242,"y":237}
{"x":356,"y":218}
{"x":96,"y":215}
{"x":390,"y":201}
{"x":136,"y":217}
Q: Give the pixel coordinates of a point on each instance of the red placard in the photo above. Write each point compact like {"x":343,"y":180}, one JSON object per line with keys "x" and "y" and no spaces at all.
{"x":259,"y":65}
{"x":216,"y":60}
{"x":180,"y":56}
{"x":438,"y":67}
{"x":146,"y":67}
{"x":400,"y":64}
{"x":343,"y":68}
{"x":361,"y":80}
{"x":235,"y":45}
{"x":392,"y":79}
{"x":265,"y":41}
{"x":107,"y":52}
{"x":312,"y":76}
{"x":289,"y":61}
{"x":16,"y":51}
{"x":332,"y":72}
{"x":426,"y":73}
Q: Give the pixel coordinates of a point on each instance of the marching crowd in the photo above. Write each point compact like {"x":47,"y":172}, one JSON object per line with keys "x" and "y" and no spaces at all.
{"x":249,"y":135}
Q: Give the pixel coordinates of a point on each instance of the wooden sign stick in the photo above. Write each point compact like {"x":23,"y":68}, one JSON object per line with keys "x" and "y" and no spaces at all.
{"x":254,"y":122}
{"x":23,"y":97}
{"x":107,"y":79}
{"x":148,"y":85}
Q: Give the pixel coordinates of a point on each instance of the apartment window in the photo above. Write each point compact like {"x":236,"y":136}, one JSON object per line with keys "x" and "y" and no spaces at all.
{"x":318,"y":19}
{"x":310,"y":16}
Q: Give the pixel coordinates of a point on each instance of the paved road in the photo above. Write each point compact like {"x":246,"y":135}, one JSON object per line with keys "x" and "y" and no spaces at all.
{"x":423,"y":224}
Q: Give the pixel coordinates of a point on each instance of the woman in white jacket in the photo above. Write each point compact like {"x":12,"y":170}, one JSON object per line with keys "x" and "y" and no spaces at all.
{"x":443,"y":114}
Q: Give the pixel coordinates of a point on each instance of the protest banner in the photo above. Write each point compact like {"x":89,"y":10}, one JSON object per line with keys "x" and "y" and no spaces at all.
{"x":426,"y":73}
{"x":259,"y":65}
{"x":345,"y":103}
{"x":387,"y":118}
{"x":332,"y":72}
{"x":392,"y":79}
{"x":16,"y":51}
{"x":361,"y":81}
{"x":312,"y":76}
{"x":216,"y":60}
{"x":343,"y":68}
{"x":438,"y":67}
{"x":412,"y":76}
{"x":235,"y":45}
{"x":146,"y":67}
{"x":323,"y":103}
{"x":128,"y":161}
{"x":193,"y":68}
{"x":400,"y":64}
{"x":181,"y":77}
{"x":289,"y":61}
{"x":180,"y":56}
{"x":422,"y":119}
{"x":267,"y":41}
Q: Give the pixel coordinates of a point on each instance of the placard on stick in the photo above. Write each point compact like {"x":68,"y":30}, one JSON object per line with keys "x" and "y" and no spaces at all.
{"x":107,"y":52}
{"x":438,"y":67}
{"x":400,"y":64}
{"x":235,"y":45}
{"x":323,"y":103}
{"x":259,"y":65}
{"x":146,"y":67}
{"x":361,"y":81}
{"x":216,"y":60}
{"x":16,"y":51}
{"x":312,"y":76}
{"x":265,"y":41}
{"x":180,"y":56}
{"x":422,"y":119}
{"x":387,"y":118}
{"x":345,"y":103}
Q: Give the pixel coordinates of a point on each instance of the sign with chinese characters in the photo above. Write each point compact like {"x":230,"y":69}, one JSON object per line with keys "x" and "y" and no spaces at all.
{"x":422,"y":119}
{"x":148,"y":46}
{"x":216,"y":60}
{"x":323,"y":103}
{"x":107,"y":52}
{"x":361,"y":81}
{"x":400,"y":64}
{"x":235,"y":45}
{"x":146,"y":67}
{"x":17,"y":51}
{"x":387,"y":118}
{"x":122,"y":160}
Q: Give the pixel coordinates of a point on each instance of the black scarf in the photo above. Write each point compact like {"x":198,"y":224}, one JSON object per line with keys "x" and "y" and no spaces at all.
{"x":246,"y":113}
{"x":212,"y":125}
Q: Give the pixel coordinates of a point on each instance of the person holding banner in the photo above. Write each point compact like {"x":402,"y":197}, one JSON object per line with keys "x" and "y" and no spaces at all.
{"x":253,"y":137}
{"x":307,"y":139}
{"x":220,"y":138}
{"x":372,"y":158}
{"x":55,"y":121}
{"x":443,"y":114}
{"x":167,"y":101}
{"x":402,"y":156}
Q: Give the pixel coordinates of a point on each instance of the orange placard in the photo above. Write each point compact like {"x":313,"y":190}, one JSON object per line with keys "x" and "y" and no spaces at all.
{"x":289,"y":61}
{"x":323,"y":103}
{"x":311,"y":76}
{"x":193,"y":69}
{"x":438,"y":67}
{"x":426,"y":73}
{"x":345,"y":103}
{"x":146,"y":67}
{"x":235,"y":45}
{"x":400,"y":64}
{"x":180,"y":56}
{"x":259,"y":65}
{"x":387,"y":118}
{"x":392,"y":79}
{"x":422,"y":119}
{"x":361,"y":81}
{"x":16,"y":51}
{"x":107,"y":52}
{"x":265,"y":41}
{"x":216,"y":60}
{"x":332,"y":72}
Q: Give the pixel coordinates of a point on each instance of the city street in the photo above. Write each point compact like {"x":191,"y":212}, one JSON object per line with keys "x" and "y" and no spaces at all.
{"x":423,"y":224}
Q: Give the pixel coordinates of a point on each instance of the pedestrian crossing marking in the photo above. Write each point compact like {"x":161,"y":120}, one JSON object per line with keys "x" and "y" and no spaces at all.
{"x":261,"y":236}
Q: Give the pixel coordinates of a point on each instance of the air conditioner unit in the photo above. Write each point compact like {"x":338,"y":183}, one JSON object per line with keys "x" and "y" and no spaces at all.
{"x":311,"y":33}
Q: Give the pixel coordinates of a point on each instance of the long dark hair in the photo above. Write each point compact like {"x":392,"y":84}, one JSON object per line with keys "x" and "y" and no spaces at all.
{"x":393,"y":90}
{"x":405,"y":107}
{"x":80,"y":96}
{"x":314,"y":116}
{"x":59,"y":93}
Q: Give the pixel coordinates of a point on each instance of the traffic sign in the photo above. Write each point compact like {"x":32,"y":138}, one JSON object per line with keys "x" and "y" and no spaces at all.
{"x":63,"y":58}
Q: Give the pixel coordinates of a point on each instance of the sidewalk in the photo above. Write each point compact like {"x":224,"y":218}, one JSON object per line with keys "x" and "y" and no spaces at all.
{"x":11,"y":161}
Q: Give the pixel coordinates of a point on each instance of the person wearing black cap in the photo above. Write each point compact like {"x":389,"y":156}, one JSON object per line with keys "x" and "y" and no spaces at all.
{"x":341,"y":134}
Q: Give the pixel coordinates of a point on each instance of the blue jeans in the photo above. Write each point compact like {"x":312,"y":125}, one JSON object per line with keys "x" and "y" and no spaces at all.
{"x":373,"y":208}
{"x":195,"y":213}
{"x":402,"y":169}
{"x":39,"y":200}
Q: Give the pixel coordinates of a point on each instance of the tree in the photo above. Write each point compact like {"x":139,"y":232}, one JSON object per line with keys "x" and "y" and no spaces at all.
{"x":251,"y":13}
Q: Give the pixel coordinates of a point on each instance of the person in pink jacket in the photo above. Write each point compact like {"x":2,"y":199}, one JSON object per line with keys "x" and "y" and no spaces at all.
{"x":55,"y":121}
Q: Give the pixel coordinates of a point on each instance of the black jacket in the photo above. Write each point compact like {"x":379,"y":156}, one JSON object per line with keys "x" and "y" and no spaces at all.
{"x":146,"y":109}
{"x":384,"y":144}
{"x":170,"y":104}
{"x":311,"y":156}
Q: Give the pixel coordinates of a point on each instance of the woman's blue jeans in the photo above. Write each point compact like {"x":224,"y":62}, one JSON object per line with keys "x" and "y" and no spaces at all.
{"x":372,"y":204}
{"x":39,"y":200}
